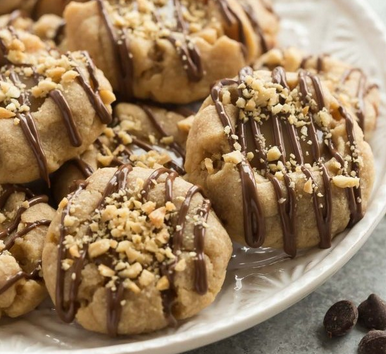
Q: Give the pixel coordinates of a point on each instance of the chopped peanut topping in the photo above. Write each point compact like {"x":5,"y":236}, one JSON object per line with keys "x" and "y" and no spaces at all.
{"x":345,"y":181}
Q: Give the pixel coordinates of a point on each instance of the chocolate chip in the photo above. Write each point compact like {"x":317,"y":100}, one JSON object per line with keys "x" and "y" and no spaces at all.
{"x":340,"y":318}
{"x":372,"y":313}
{"x":373,"y":342}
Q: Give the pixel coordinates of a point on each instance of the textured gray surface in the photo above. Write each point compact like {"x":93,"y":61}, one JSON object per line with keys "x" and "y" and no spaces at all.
{"x":299,"y":329}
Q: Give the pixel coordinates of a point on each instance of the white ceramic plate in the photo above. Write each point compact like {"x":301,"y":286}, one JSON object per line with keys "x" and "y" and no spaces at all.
{"x":252,"y":293}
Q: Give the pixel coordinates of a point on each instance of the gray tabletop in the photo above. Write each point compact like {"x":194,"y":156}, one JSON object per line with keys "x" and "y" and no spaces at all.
{"x":299,"y":330}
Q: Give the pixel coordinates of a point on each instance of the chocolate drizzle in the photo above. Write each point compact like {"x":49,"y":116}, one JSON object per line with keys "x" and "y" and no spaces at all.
{"x":177,"y":152}
{"x":68,"y":118}
{"x":201,"y":283}
{"x":188,"y":52}
{"x":254,"y":222}
{"x":20,"y":275}
{"x":67,"y":305}
{"x":29,"y":129}
{"x":175,"y":146}
{"x":93,"y":92}
{"x":256,"y":25}
{"x":354,"y":194}
{"x":66,"y":311}
{"x":232,"y":18}
{"x":122,"y":53}
{"x":83,"y":167}
{"x":254,"y":227}
{"x":362,"y":91}
{"x":27,"y":123}
{"x":9,"y":234}
{"x":200,"y":279}
{"x":319,"y":62}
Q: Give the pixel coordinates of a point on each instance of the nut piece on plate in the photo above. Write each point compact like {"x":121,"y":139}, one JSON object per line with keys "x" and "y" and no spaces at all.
{"x":141,"y":134}
{"x":132,"y":250}
{"x":299,"y":170}
{"x":24,"y":220}
{"x":347,"y":83}
{"x":170,"y":51}
{"x":52,"y":106}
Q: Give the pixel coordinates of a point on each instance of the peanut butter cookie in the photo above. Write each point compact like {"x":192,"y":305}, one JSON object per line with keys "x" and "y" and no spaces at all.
{"x":349,"y":84}
{"x":141,"y":134}
{"x":132,"y":250}
{"x":49,"y":28}
{"x":24,"y":219}
{"x":282,"y":161}
{"x":35,"y":8}
{"x":170,"y":50}
{"x":52,"y":106}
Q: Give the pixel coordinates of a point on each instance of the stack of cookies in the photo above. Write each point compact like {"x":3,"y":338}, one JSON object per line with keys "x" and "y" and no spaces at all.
{"x":145,"y":194}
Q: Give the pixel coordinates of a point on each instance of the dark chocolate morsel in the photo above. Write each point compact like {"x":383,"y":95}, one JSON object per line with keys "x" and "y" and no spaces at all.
{"x":372,"y":313}
{"x":340,"y":318}
{"x":373,"y":342}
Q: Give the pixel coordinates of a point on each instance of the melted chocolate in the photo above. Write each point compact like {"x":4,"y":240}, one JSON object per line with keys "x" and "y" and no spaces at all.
{"x":66,"y":311}
{"x":124,"y":157}
{"x":83,"y":167}
{"x":256,"y":25}
{"x":175,"y":146}
{"x":122,"y":54}
{"x":188,"y":52}
{"x":67,"y":305}
{"x":28,"y":124}
{"x":93,"y":92}
{"x":362,"y":90}
{"x":232,"y":18}
{"x":9,"y":234}
{"x":20,"y":275}
{"x":68,"y":118}
{"x":30,"y":131}
{"x":254,"y":228}
{"x":59,"y":33}
{"x":200,"y":276}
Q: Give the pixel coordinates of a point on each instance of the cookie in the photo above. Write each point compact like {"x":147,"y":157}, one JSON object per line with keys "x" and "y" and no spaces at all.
{"x":52,"y":106}
{"x":350,"y":85}
{"x":170,"y":50}
{"x":49,"y":28}
{"x":35,"y":8}
{"x":142,"y":135}
{"x":132,"y":250}
{"x":284,"y":164}
{"x":24,"y":220}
